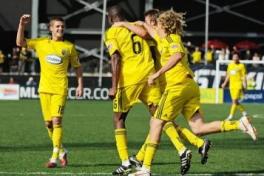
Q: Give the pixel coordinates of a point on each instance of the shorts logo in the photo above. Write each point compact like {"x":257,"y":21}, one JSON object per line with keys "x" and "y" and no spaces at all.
{"x":53,"y":59}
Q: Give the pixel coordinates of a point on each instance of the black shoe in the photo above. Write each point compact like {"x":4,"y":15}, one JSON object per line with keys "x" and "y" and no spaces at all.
{"x":122,"y":170}
{"x":185,"y":161}
{"x":136,"y":163}
{"x":204,"y":151}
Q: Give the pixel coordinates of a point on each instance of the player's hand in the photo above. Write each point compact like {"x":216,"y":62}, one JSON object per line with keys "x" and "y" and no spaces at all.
{"x":223,"y":85}
{"x":119,"y":24}
{"x":152,"y":78}
{"x":25,"y":19}
{"x":79,"y":91}
{"x":112,"y":93}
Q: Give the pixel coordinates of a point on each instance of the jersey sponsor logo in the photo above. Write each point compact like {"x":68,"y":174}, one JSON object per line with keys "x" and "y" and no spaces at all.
{"x":233,"y":72}
{"x":53,"y":59}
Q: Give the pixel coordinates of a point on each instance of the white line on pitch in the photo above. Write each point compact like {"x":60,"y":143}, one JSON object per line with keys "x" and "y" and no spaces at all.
{"x":95,"y":174}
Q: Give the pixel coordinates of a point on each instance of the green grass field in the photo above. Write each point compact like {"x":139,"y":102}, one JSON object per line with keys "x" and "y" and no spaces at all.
{"x":88,"y":135}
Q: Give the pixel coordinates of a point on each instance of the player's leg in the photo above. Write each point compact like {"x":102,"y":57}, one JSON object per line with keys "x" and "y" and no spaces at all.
{"x":239,"y":105}
{"x":236,"y":94}
{"x":199,"y":127}
{"x":203,"y":145}
{"x":124,"y":100}
{"x":57,"y":109}
{"x":46,"y":113}
{"x":166,"y":112}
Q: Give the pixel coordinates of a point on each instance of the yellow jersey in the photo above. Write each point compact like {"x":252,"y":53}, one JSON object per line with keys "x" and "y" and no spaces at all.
{"x":136,"y":59}
{"x":236,"y":74}
{"x":54,"y":58}
{"x":167,"y":47}
{"x":197,"y":56}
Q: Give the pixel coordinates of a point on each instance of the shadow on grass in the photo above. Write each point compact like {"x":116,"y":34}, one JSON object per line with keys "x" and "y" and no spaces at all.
{"x":234,"y":143}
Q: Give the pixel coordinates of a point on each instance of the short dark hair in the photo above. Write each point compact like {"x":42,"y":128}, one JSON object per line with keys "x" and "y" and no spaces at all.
{"x":115,"y":12}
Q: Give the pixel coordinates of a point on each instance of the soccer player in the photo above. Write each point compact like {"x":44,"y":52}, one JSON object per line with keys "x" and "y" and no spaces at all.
{"x":202,"y":145}
{"x":182,"y":92}
{"x":55,"y":54}
{"x":132,"y":63}
{"x":236,"y":75}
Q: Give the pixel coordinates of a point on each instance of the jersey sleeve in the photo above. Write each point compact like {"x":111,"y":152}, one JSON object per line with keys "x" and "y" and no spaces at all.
{"x":32,"y":43}
{"x":175,"y":47}
{"x":74,"y":59}
{"x":111,"y":42}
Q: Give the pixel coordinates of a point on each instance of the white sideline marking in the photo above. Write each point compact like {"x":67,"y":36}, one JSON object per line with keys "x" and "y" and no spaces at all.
{"x":82,"y":173}
{"x":258,"y":116}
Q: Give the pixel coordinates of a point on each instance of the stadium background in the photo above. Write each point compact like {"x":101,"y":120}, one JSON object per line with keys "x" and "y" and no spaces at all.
{"x":230,"y":22}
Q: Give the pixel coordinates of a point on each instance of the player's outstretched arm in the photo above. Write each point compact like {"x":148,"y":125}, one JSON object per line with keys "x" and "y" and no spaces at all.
{"x":79,"y":75}
{"x":20,"y":39}
{"x":116,"y":66}
{"x":137,"y":29}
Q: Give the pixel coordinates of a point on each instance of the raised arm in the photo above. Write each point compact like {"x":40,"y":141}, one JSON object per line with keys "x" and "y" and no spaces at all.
{"x":79,"y":76}
{"x":116,"y":66}
{"x":20,"y":39}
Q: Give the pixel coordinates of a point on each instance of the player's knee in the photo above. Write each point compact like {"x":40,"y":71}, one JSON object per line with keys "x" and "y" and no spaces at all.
{"x":197,"y":131}
{"x":48,"y":124}
{"x":119,"y":120}
{"x":56,"y":121}
{"x":152,"y":109}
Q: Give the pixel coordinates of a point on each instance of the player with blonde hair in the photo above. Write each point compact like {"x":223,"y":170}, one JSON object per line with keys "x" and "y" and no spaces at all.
{"x":184,"y":133}
{"x":181,"y":94}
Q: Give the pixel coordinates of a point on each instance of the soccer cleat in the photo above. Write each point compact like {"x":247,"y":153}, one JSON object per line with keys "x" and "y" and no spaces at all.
{"x":122,"y":170}
{"x":203,"y":150}
{"x":247,"y":127}
{"x":136,"y":163}
{"x":141,"y":172}
{"x":51,"y":164}
{"x":63,"y":159}
{"x":185,"y":161}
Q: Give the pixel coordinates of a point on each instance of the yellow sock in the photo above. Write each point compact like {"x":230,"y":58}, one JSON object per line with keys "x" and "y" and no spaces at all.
{"x":50,"y":132}
{"x":141,"y":153}
{"x":121,"y":143}
{"x":190,"y":137}
{"x":233,"y":110}
{"x":229,"y":125}
{"x":171,"y":131}
{"x":151,"y":149}
{"x":57,"y":140}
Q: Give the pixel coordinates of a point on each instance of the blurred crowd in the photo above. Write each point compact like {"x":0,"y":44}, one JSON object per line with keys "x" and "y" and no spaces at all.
{"x":198,"y":56}
{"x":19,"y":61}
{"x":24,"y":61}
